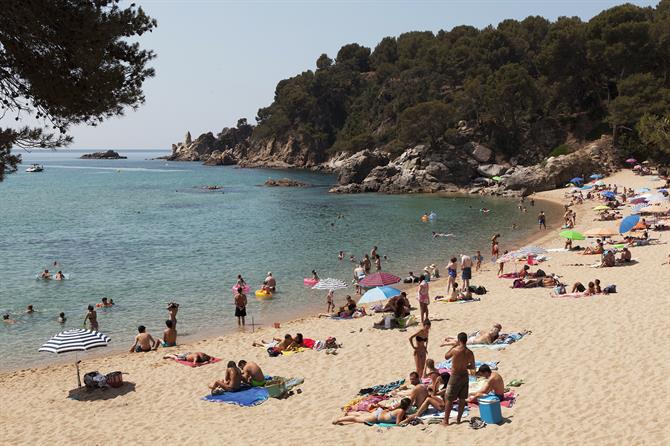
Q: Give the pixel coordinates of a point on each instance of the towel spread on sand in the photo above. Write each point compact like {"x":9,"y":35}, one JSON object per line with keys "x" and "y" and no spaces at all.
{"x":246,"y":397}
{"x":509,"y":399}
{"x":291,"y":352}
{"x":382,"y":389}
{"x":447,"y":364}
{"x":197,"y":364}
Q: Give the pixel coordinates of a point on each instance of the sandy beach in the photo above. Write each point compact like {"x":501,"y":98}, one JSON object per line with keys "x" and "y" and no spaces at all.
{"x":595,"y":368}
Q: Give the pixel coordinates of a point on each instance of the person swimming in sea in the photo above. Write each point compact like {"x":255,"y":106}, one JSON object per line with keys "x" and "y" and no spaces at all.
{"x":442,"y":234}
{"x":60,"y":275}
{"x":484,"y":210}
{"x":45,"y":275}
{"x":340,"y":255}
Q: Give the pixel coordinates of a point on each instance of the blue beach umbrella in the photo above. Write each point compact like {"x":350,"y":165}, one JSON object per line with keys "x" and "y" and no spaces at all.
{"x":587,"y":187}
{"x":608,"y":194}
{"x":378,"y":293}
{"x":628,"y":223}
{"x":596,"y":176}
{"x":577,"y":180}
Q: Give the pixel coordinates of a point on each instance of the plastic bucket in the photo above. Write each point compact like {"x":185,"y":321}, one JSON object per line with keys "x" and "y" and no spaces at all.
{"x":489,"y":409}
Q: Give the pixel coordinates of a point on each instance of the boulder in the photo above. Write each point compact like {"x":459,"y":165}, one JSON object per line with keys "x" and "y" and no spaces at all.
{"x":491,"y":170}
{"x":107,"y":155}
{"x":285,"y":182}
{"x":218,"y":158}
{"x":479,"y":152}
{"x":357,"y":167}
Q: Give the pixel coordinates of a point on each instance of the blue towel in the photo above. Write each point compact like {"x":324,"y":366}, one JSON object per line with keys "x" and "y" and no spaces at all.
{"x":252,"y":396}
{"x":447,"y":364}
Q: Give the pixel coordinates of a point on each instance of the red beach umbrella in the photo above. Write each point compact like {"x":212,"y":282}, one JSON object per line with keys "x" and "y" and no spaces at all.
{"x":379,"y":279}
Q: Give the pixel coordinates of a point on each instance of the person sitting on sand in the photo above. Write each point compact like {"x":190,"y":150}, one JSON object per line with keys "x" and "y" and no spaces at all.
{"x":270,"y":282}
{"x":45,"y":275}
{"x":231,"y":382}
{"x":411,"y":278}
{"x":437,"y":379}
{"x":60,"y":275}
{"x":195,"y":358}
{"x":625,"y":257}
{"x":61,"y":318}
{"x":608,"y":260}
{"x":525,"y":272}
{"x":416,"y":390}
{"x":169,"y":335}
{"x":251,"y":373}
{"x":477,"y":338}
{"x":598,"y":249}
{"x":388,"y":416}
{"x":7,"y":320}
{"x":462,"y":362}
{"x":494,"y":384}
{"x":298,"y":342}
{"x":144,"y":342}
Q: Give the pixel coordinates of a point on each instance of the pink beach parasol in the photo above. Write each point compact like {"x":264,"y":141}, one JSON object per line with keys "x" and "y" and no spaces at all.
{"x":379,"y":279}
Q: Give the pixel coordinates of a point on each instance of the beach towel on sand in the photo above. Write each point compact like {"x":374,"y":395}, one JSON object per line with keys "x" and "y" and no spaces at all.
{"x":447,"y":364}
{"x":431,"y":416}
{"x":246,"y":397}
{"x":197,"y":364}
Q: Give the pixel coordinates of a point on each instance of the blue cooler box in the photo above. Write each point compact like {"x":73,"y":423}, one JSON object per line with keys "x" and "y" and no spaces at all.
{"x":489,"y":409}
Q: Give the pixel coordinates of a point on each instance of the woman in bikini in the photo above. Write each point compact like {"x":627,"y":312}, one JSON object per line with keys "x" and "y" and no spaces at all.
{"x":389,"y":416}
{"x":451,"y":272}
{"x":421,"y":347}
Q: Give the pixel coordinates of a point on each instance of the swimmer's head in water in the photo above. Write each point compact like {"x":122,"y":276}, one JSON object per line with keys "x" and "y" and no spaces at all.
{"x":141,"y":328}
{"x":61,"y":314}
{"x":5,"y":316}
{"x":462,"y":337}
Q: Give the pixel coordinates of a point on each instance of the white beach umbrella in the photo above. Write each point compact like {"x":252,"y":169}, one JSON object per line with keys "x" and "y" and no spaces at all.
{"x":329,"y":284}
{"x":75,"y":340}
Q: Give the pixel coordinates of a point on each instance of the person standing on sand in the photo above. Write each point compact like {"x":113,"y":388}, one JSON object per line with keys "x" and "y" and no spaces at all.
{"x":542,"y":220}
{"x":91,"y":318}
{"x":451,"y":273}
{"x":462,"y":362}
{"x":240,"y":306}
{"x":424,"y":298}
{"x":421,"y":347}
{"x":466,"y":271}
{"x":478,"y":260}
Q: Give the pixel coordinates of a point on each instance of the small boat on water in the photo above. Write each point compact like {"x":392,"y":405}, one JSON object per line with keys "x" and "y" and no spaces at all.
{"x":35,"y":168}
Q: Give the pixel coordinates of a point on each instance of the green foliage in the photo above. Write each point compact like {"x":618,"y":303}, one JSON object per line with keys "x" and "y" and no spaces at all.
{"x":68,"y":62}
{"x":563,"y":149}
{"x":501,"y":80}
{"x":654,"y":133}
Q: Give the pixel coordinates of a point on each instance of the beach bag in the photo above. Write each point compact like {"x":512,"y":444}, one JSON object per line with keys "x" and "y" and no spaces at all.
{"x":273,"y":352}
{"x":276,"y":387}
{"x":609,"y":289}
{"x":114,"y":379}
{"x":95,"y":380}
{"x":559,"y":289}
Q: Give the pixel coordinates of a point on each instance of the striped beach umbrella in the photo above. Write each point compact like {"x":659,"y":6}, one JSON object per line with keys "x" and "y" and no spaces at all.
{"x":532,"y":250}
{"x":75,"y":340}
{"x":379,"y":279}
{"x":329,"y":284}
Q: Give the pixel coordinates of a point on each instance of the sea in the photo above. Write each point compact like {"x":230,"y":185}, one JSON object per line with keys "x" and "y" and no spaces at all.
{"x":145,"y":232}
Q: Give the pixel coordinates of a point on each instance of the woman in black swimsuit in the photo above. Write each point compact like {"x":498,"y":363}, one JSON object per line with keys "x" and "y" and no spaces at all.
{"x":421,"y":347}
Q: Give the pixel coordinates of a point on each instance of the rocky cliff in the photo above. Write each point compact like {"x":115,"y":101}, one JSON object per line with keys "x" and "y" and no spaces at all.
{"x":467,"y":165}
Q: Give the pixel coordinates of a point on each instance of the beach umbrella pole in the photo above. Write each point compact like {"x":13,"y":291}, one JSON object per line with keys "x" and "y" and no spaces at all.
{"x":76,"y":364}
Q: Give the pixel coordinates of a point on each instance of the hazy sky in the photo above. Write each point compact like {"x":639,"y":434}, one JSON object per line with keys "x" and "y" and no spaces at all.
{"x":220,"y":60}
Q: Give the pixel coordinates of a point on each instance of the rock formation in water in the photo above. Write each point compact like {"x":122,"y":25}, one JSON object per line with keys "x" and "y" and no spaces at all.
{"x":285,"y":182}
{"x":107,"y":155}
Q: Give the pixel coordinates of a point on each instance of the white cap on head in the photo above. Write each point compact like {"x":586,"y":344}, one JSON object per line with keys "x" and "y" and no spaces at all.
{"x":269,"y":273}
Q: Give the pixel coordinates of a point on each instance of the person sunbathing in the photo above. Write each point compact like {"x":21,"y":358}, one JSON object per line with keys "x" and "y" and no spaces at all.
{"x":578,"y":287}
{"x":231,"y":382}
{"x":494,"y":384}
{"x":476,"y":338}
{"x":388,"y":416}
{"x":251,"y":373}
{"x":195,"y":358}
{"x":598,"y":249}
{"x":296,"y":343}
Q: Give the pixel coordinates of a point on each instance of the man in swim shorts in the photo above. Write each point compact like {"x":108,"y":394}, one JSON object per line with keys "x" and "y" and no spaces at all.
{"x":169,"y":335}
{"x":462,"y":362}
{"x":494,"y":384}
{"x":466,"y":270}
{"x":240,"y":306}
{"x":144,"y":342}
{"x":230,"y":383}
{"x":251,"y":373}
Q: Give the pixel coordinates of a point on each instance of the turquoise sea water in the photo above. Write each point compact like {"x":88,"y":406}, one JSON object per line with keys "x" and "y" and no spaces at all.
{"x":143,"y":233}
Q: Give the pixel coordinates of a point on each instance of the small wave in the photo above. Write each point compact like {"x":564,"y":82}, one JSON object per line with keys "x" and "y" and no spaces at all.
{"x":122,"y":169}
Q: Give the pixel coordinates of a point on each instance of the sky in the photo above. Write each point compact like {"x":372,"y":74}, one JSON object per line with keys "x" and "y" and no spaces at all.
{"x":220,"y":60}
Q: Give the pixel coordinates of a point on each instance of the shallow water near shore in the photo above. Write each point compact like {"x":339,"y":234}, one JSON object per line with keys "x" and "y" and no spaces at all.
{"x":145,"y":233}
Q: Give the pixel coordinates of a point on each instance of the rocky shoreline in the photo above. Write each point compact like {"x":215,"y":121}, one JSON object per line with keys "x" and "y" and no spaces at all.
{"x":470,"y":167}
{"x":107,"y":155}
